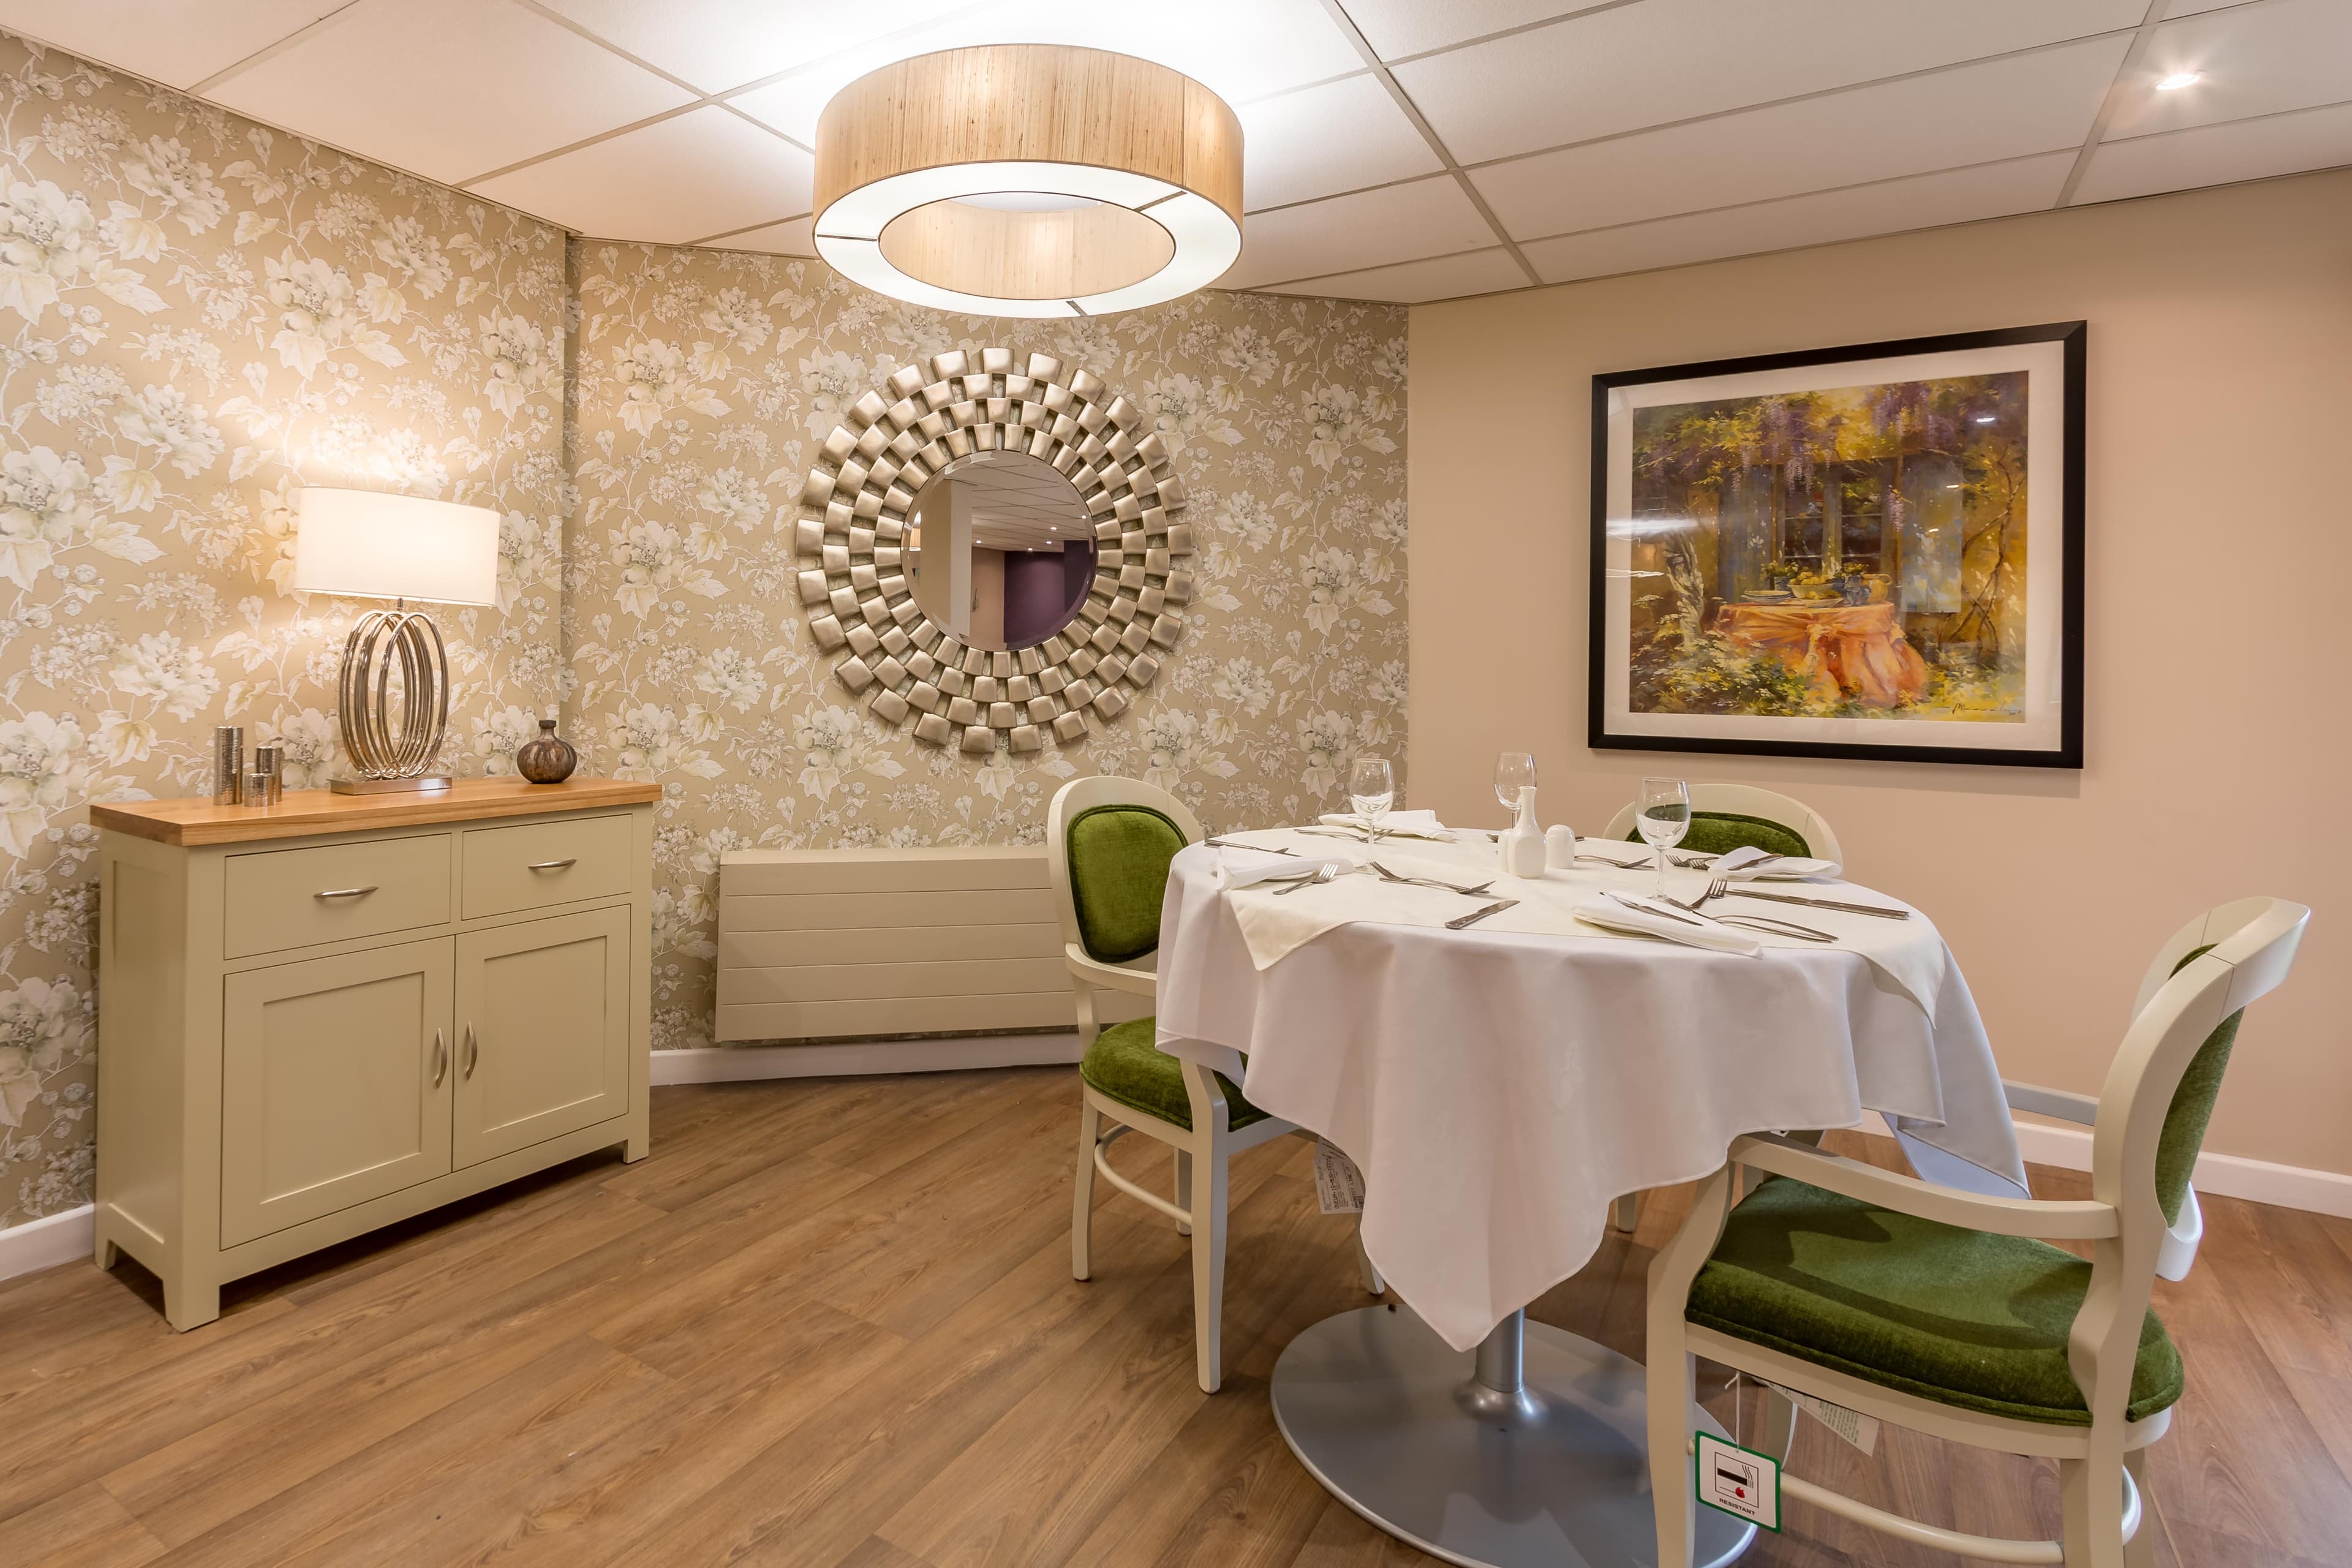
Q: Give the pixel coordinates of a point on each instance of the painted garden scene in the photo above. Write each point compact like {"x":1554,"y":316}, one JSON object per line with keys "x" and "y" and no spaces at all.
{"x":1854,"y":553}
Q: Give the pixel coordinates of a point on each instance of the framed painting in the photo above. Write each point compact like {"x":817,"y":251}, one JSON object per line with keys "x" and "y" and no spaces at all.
{"x":1872,"y":551}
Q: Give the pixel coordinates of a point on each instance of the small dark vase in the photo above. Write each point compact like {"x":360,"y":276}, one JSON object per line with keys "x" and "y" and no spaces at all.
{"x":548,"y":760}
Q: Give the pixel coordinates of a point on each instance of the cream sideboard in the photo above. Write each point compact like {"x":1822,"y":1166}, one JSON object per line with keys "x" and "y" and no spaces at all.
{"x":339,"y":1011}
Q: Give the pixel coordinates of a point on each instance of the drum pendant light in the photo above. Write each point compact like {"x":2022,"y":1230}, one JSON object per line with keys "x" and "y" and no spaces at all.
{"x":1028,"y":180}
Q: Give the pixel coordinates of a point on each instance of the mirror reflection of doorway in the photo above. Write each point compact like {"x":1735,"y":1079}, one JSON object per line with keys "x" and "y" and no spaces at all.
{"x":999,"y":551}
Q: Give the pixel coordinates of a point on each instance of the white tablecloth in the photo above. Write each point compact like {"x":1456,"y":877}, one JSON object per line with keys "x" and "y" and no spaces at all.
{"x":1498,"y":1089}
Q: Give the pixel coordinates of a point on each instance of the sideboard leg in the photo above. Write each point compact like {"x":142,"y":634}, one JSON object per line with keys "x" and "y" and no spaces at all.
{"x":188,"y":1305}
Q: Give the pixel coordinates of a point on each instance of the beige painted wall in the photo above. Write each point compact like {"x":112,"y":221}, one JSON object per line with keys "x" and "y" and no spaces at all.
{"x":2219,"y":579}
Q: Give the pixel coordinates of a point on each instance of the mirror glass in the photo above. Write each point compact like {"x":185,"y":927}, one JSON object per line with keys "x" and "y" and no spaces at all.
{"x":999,"y":551}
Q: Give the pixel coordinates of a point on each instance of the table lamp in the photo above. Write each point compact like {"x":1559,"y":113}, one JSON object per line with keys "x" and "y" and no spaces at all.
{"x":363,"y":544}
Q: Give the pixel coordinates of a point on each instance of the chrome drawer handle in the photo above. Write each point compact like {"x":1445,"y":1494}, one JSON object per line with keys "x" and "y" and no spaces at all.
{"x":551,"y":865}
{"x":440,"y":1058}
{"x":346,"y":892}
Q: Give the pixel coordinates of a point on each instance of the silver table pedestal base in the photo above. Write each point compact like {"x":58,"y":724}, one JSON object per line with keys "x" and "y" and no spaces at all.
{"x":1530,"y":1452}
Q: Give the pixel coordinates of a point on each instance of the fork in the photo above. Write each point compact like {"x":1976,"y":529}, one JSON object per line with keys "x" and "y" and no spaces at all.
{"x":1715,"y":889}
{"x":1480,"y":891}
{"x":1321,"y":874}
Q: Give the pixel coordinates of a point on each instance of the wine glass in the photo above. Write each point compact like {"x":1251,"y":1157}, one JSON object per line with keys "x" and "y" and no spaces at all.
{"x":1663,"y":813}
{"x":1371,"y":789}
{"x":1513,"y":771}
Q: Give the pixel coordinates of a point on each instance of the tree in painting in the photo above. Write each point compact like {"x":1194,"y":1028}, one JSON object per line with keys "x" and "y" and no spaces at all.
{"x":1853,"y":552}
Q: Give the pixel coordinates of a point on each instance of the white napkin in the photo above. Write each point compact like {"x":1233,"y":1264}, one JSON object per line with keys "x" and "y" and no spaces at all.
{"x":1277,"y":867}
{"x":1404,"y":824}
{"x":1617,"y":912}
{"x":1748,"y":863}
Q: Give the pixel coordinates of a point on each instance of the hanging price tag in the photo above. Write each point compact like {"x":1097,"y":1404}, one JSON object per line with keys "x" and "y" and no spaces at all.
{"x":1339,"y":1185}
{"x":1739,"y":1481}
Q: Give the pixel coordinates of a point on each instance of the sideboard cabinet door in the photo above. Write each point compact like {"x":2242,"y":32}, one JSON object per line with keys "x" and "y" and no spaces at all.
{"x":336,"y":1076}
{"x":542,"y":1031}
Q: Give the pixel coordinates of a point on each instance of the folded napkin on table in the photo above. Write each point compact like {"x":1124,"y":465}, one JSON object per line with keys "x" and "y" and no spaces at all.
{"x":1274,"y":868}
{"x":1749,"y":864}
{"x":1402,"y":824}
{"x":1617,"y":912}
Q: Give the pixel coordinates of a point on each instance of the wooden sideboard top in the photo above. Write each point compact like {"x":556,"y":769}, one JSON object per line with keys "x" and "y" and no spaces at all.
{"x":184,"y":823}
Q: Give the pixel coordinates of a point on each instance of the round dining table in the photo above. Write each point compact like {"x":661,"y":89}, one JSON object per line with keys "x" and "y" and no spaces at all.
{"x":1499,"y":1083}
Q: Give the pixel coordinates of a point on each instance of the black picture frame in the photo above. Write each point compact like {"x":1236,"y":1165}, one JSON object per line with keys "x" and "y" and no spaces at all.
{"x":2072,"y":338}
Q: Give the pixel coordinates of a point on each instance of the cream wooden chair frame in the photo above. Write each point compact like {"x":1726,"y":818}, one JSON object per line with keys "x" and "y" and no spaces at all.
{"x":1749,"y":801}
{"x":1202,"y":1151}
{"x":2101,"y":1467}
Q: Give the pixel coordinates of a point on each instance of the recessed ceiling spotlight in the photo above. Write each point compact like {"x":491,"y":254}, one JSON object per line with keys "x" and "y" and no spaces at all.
{"x":2178,"y":80}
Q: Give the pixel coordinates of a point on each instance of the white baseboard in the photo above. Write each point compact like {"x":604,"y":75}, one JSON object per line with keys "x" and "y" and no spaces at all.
{"x":740,"y":1063}
{"x":2221,"y":1175}
{"x":51,"y":1239}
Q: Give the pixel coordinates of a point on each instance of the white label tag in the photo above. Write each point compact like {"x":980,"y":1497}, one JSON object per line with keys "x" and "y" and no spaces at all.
{"x":1739,"y":1481}
{"x":1856,"y":1428}
{"x":1339,"y":1185}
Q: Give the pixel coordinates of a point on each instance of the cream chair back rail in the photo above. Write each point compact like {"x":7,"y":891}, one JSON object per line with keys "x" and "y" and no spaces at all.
{"x":1746,"y":800}
{"x":321,"y":1018}
{"x":1203,"y":1137}
{"x":2149,"y":1119}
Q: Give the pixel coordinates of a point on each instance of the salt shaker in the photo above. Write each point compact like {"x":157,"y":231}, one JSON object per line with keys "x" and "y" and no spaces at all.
{"x":1559,"y":846}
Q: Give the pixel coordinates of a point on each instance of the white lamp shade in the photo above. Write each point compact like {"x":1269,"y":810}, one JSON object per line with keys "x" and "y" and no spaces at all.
{"x":367,"y":544}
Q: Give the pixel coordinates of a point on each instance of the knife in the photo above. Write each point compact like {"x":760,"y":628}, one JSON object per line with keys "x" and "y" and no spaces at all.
{"x":1475,"y":916}
{"x":1879,"y":910}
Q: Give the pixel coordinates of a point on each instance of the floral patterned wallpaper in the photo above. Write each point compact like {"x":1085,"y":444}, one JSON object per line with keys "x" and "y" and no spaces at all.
{"x":198,"y":316}
{"x":705,"y":380}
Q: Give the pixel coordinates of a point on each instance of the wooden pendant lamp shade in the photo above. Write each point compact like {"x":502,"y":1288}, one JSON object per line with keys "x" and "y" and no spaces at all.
{"x":1028,"y":180}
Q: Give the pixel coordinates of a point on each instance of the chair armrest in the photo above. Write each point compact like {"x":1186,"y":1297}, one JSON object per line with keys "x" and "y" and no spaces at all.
{"x":1908,"y":1194}
{"x":2081,"y":1109}
{"x":1112,"y":976}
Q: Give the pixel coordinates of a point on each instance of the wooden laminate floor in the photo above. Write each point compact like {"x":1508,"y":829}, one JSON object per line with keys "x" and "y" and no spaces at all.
{"x":833,"y":1323}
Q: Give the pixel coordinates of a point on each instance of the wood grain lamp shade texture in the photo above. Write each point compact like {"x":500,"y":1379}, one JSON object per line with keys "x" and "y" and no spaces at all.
{"x":1029,"y":180}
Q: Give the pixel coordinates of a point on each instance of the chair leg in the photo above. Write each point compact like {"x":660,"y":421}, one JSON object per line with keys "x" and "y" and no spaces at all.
{"x":2141,"y":1551}
{"x":1183,"y":1187}
{"x":2091,"y":1492}
{"x":1673,"y":1379}
{"x":1626,"y":1212}
{"x":1208,"y":1268}
{"x":1082,"y":1203}
{"x":1365,"y":1268}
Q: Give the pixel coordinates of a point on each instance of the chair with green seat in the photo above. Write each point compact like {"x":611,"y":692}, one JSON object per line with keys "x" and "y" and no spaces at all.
{"x":1109,"y":842}
{"x":1731,"y":817}
{"x":1937,"y":1309}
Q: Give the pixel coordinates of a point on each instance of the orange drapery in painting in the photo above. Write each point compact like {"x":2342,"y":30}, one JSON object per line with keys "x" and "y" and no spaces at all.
{"x":1854,"y":649}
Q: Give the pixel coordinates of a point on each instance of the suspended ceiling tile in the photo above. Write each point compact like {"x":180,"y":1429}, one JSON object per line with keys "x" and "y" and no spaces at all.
{"x":1415,"y":282}
{"x":2217,"y":154}
{"x":1321,"y":140}
{"x":2261,"y":59}
{"x":1240,"y":49}
{"x":1399,"y":27}
{"x":722,"y":44}
{"x":445,"y":88}
{"x":1664,"y":60}
{"x":1925,"y":201}
{"x":168,"y":41}
{"x":797,"y":238}
{"x":1345,"y":233}
{"x":701,"y":173}
{"x":2037,"y":102}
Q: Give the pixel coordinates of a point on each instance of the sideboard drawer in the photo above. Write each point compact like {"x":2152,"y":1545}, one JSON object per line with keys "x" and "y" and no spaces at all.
{"x":283,"y":898}
{"x":543,"y":863}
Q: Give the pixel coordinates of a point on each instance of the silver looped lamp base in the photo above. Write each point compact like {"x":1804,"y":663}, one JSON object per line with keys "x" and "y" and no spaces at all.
{"x":391,"y":758}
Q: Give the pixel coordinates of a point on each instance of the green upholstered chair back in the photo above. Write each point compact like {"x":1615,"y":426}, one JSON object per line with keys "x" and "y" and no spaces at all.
{"x":2192,"y":1106}
{"x":1118,"y":857}
{"x":1718,"y":832}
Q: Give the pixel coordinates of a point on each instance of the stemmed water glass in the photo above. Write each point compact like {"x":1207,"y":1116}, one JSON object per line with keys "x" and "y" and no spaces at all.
{"x":1371,"y":789}
{"x":1662,"y":812}
{"x":1513,"y":771}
